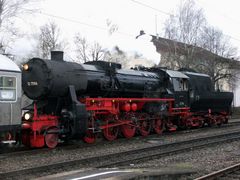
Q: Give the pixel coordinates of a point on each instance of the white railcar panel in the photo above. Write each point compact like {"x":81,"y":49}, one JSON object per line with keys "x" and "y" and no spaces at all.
{"x":7,"y":64}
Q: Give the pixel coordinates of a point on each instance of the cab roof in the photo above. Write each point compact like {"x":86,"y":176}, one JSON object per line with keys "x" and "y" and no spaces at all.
{"x":176,"y":74}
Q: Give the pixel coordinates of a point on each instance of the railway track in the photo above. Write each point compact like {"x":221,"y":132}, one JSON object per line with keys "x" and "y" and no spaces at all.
{"x":18,"y":151}
{"x":28,"y":151}
{"x":232,"y":172}
{"x":123,"y":158}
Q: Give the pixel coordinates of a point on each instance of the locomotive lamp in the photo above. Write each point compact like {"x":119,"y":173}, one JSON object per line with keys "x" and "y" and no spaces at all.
{"x":27,"y":116}
{"x":25,"y":67}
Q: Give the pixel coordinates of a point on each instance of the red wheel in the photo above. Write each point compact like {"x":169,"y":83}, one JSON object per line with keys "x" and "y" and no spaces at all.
{"x":210,"y":121}
{"x":90,"y":137}
{"x":144,"y":127}
{"x":51,"y":137}
{"x":158,"y":126}
{"x":189,"y":123}
{"x":110,"y":133}
{"x":225,"y":120}
{"x":128,"y":130}
{"x":200,"y":121}
{"x":219,"y":120}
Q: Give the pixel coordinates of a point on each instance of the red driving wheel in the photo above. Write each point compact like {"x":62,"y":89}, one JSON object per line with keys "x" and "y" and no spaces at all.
{"x":158,"y":126}
{"x":110,"y":132}
{"x":128,"y":130}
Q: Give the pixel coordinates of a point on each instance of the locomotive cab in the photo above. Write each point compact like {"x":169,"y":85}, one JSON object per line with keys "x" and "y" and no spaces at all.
{"x":178,"y":86}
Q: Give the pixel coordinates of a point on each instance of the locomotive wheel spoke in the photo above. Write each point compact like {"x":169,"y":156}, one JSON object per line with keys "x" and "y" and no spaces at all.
{"x":210,"y":121}
{"x":51,"y":139}
{"x":225,"y":120}
{"x":182,"y":124}
{"x":219,"y":120}
{"x":144,"y":127}
{"x":90,"y":137}
{"x":129,"y":130}
{"x":201,"y":121}
{"x":189,"y":123}
{"x":110,"y":133}
{"x":158,"y":126}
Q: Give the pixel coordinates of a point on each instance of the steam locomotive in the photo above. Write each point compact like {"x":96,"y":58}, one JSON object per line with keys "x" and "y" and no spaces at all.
{"x":85,"y":101}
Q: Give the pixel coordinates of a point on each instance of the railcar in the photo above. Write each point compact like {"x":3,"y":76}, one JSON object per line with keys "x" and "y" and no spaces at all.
{"x":10,"y":100}
{"x":98,"y":98}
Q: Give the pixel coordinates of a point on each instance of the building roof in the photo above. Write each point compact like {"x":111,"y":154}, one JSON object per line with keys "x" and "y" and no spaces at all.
{"x":167,"y":45}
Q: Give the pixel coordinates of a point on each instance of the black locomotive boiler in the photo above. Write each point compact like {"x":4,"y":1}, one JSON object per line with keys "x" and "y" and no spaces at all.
{"x":86,"y":100}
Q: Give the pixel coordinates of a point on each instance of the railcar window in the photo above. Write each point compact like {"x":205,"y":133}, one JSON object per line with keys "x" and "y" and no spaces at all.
{"x":7,"y":88}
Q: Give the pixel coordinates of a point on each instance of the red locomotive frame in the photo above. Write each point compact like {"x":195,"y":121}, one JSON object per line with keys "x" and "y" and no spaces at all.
{"x":110,"y":116}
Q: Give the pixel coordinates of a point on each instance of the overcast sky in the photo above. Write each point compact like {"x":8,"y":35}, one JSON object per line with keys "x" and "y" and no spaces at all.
{"x":89,"y":17}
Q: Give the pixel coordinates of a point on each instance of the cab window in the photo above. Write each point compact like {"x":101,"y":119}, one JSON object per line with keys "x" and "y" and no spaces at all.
{"x":180,"y":84}
{"x":7,"y":88}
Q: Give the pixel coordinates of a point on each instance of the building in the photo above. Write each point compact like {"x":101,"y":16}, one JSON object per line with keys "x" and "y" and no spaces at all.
{"x":224,"y":72}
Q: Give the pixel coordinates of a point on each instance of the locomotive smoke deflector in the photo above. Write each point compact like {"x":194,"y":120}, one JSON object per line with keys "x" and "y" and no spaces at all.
{"x":57,"y":55}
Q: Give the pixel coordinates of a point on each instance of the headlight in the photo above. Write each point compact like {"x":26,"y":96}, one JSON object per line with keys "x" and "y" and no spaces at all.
{"x":25,"y":67}
{"x":27,"y":116}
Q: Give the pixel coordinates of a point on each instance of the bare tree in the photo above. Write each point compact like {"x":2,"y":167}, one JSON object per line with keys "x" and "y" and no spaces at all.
{"x":197,"y":45}
{"x":49,"y":39}
{"x":81,"y":47}
{"x":185,"y":27}
{"x":10,"y":10}
{"x":223,"y":65}
{"x":88,"y":52}
{"x":216,"y":42}
{"x":97,"y":52}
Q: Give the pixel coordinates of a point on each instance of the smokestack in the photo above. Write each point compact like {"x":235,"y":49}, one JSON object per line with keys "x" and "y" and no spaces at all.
{"x":57,"y":55}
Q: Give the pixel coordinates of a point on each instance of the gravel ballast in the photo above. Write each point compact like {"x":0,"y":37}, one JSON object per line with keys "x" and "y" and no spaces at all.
{"x":201,"y":157}
{"x":203,"y":161}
